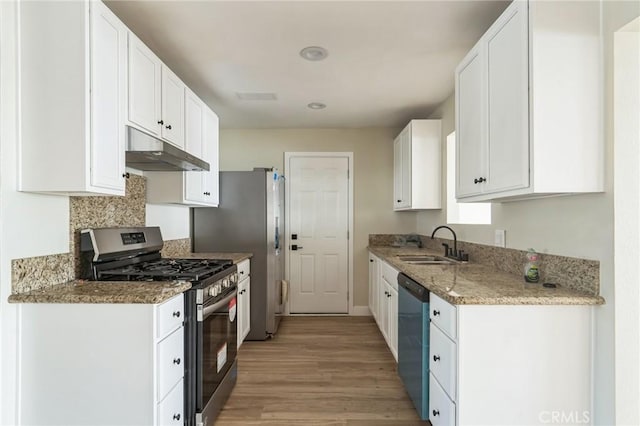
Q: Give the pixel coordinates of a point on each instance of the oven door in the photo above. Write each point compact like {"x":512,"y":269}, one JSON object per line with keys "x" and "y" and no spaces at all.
{"x":217,"y":346}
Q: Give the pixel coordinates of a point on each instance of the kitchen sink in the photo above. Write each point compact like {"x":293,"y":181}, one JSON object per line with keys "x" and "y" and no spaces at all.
{"x":427,"y":260}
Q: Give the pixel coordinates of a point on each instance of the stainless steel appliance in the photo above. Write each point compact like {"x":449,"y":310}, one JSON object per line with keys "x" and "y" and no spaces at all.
{"x":250,"y":219}
{"x":145,"y":152}
{"x":133,"y":254}
{"x":413,"y":342}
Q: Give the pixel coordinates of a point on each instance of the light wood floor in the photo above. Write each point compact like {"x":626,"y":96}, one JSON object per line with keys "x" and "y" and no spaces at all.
{"x":319,"y":371}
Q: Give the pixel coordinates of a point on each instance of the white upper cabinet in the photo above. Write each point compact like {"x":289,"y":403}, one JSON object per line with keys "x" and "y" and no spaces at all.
{"x":528,"y":104}
{"x":173,"y":90}
{"x":417,"y":166}
{"x":73,"y":91}
{"x":470,"y":123}
{"x":156,"y":95}
{"x":144,"y":87}
{"x":196,"y":189}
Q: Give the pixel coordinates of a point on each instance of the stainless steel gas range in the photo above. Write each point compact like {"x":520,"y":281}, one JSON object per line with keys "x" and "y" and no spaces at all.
{"x":133,"y":254}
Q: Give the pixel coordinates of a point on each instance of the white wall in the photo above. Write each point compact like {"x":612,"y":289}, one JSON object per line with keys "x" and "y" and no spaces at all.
{"x":174,"y":221}
{"x":578,"y":226}
{"x":30,"y":225}
{"x":627,"y":223}
{"x":373,"y":176}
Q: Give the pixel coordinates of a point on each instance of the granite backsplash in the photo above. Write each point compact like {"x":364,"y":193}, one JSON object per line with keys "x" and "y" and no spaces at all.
{"x":570,"y":272}
{"x":88,"y":212}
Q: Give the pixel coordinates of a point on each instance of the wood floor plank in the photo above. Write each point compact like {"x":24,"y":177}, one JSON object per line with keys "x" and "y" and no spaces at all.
{"x":319,"y":371}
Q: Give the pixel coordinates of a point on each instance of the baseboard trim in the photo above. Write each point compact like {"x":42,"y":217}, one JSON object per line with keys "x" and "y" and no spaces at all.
{"x":361,"y":311}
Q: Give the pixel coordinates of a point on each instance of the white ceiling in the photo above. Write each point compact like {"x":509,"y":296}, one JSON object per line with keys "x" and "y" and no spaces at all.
{"x":389,"y":61}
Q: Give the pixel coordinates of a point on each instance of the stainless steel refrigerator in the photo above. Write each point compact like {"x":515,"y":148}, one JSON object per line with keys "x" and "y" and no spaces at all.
{"x":250,"y":218}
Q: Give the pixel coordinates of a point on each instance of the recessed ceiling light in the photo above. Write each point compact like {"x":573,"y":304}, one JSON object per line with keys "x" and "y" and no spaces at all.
{"x":316,"y":105}
{"x":314,"y":53}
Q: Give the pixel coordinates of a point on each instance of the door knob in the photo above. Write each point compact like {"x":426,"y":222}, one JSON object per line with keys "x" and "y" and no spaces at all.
{"x":295,"y":247}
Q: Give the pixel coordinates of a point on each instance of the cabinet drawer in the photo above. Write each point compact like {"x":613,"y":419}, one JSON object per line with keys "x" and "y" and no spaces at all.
{"x":443,"y":314}
{"x":169,"y":316}
{"x":170,"y":410}
{"x":442,"y":411}
{"x":390,"y":274}
{"x":244,"y":269}
{"x":443,"y":360}
{"x":170,"y":362}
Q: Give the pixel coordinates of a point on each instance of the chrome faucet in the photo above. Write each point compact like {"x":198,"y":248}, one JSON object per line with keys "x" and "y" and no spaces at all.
{"x":452,"y":253}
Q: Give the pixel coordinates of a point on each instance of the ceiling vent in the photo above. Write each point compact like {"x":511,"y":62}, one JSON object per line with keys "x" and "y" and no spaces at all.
{"x":256,"y":96}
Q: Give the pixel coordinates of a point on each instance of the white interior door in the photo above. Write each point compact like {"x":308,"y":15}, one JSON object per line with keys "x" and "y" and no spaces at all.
{"x":318,"y":234}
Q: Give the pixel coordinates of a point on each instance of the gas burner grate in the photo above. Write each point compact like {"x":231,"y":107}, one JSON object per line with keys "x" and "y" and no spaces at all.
{"x":167,"y":269}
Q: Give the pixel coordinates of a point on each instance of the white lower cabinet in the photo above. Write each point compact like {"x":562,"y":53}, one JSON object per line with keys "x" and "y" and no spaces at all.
{"x":374,"y":288}
{"x":387,"y":302}
{"x":442,"y":410}
{"x":116,"y":364}
{"x":244,"y":300}
{"x":509,"y":364}
{"x":171,"y":409}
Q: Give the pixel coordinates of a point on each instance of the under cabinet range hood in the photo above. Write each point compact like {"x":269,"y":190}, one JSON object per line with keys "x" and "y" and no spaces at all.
{"x":145,"y":152}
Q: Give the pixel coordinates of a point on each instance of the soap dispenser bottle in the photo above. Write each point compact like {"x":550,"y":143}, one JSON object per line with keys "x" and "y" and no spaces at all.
{"x":531,"y":267}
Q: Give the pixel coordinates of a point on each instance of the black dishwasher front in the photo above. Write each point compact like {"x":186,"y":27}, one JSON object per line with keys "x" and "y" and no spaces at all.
{"x":413,"y":342}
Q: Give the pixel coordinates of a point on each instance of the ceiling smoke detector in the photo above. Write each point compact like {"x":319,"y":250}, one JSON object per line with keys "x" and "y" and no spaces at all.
{"x":314,"y":53}
{"x":316,"y":105}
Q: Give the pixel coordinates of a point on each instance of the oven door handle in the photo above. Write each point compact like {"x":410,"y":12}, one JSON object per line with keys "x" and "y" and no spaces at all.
{"x":205,"y":311}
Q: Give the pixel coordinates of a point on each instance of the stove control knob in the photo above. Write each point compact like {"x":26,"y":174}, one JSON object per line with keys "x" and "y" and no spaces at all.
{"x":233,"y":278}
{"x":225,"y":283}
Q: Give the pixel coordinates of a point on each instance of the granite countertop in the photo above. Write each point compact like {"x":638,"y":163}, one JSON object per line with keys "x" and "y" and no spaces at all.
{"x":80,"y":291}
{"x":475,"y":284}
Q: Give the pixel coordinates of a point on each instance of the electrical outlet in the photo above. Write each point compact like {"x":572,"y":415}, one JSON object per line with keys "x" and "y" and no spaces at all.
{"x":500,"y":238}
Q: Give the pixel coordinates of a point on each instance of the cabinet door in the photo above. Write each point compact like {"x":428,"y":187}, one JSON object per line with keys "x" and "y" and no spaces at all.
{"x":373,"y":286}
{"x":393,"y":322}
{"x":508,"y":101}
{"x":172,"y":108}
{"x":210,"y":182}
{"x":405,"y":138}
{"x":402,"y":169}
{"x":240,"y":312}
{"x":397,"y":172}
{"x":108,"y":79}
{"x":144,"y":87}
{"x":194,"y":136}
{"x":246,"y":313}
{"x":383,"y":309}
{"x":470,"y":137}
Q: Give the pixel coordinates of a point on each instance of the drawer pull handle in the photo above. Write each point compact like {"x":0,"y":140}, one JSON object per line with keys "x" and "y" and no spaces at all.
{"x":436,"y":412}
{"x":176,"y":417}
{"x":176,"y":314}
{"x":436,"y":358}
{"x":436,"y":313}
{"x":176,"y":361}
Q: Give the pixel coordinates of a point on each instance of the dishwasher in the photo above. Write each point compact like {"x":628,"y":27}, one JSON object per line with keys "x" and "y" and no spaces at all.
{"x":413,"y":342}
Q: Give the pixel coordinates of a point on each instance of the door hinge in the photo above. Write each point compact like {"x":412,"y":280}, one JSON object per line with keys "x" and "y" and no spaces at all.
{"x":347,"y":234}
